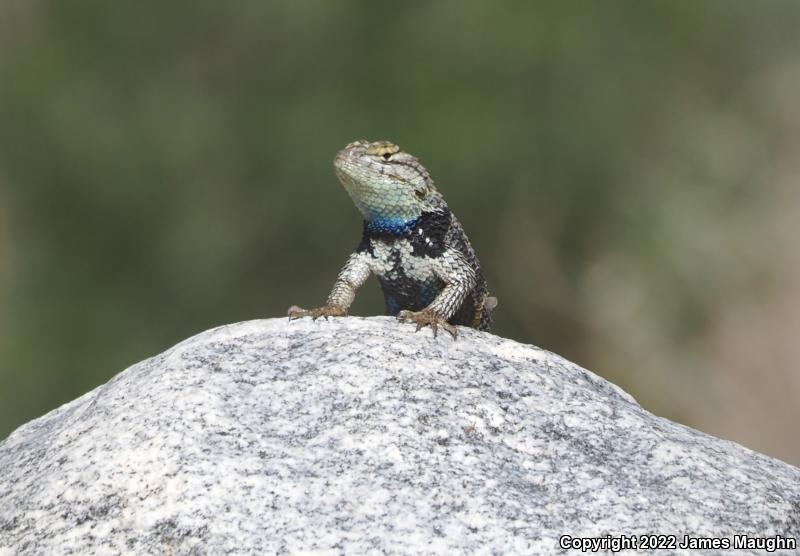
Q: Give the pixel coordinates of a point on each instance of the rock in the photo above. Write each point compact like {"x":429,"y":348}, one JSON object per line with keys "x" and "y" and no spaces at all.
{"x":358,"y":435}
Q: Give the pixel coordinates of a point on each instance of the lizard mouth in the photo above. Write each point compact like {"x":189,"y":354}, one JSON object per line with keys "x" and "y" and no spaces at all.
{"x":343,"y":166}
{"x":354,"y":168}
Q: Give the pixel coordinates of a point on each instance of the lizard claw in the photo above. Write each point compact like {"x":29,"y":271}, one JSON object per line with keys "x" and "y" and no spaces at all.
{"x":296,"y":312}
{"x":426,"y":317}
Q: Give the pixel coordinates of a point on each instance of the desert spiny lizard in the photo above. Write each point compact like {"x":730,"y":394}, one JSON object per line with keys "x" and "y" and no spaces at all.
{"x":411,"y":241}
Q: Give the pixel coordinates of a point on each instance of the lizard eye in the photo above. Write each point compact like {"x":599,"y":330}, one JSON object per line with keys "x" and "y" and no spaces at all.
{"x":387,"y":156}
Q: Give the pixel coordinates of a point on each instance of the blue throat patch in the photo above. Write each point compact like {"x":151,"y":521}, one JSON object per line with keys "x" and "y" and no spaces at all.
{"x":393,"y":226}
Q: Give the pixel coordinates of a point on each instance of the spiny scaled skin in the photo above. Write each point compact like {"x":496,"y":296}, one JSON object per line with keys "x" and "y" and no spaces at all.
{"x":416,"y":247}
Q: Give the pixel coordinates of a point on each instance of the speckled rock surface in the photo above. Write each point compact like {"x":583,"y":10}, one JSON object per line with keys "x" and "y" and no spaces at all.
{"x":358,"y":436}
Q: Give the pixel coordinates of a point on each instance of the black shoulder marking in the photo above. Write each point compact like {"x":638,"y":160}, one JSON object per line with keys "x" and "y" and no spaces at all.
{"x":427,"y":237}
{"x":366,"y":244}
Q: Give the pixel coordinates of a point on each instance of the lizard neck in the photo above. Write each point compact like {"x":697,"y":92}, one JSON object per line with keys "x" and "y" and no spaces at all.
{"x":387,"y":225}
{"x":382,"y":205}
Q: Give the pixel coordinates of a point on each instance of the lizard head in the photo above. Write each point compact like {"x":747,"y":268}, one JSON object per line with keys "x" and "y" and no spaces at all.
{"x":390,"y":187}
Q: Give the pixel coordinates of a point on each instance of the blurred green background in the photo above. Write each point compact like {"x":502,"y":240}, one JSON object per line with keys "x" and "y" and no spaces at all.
{"x":628,"y":173}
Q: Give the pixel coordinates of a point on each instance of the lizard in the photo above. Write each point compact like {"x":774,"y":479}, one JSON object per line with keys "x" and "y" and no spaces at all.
{"x":426,"y":266}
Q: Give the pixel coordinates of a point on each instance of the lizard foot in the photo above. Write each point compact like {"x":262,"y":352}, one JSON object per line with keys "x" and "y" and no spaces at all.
{"x":426,"y":317}
{"x":296,"y":312}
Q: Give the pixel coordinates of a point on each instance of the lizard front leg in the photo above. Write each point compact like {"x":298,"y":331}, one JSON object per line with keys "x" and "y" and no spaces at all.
{"x":459,"y":279}
{"x":352,"y":276}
